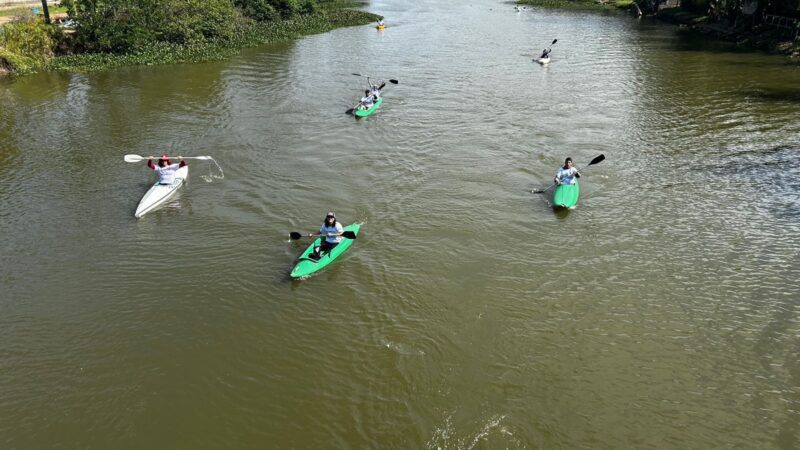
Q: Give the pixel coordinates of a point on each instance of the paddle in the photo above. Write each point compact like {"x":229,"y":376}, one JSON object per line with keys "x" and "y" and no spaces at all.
{"x":137,"y":158}
{"x":350,"y":111}
{"x":367,"y":76}
{"x":596,"y":160}
{"x":294,"y":235}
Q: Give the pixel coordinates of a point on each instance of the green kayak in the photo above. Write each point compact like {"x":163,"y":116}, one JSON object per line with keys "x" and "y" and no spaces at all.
{"x":306,"y":266}
{"x":368,"y":112}
{"x":566,"y":195}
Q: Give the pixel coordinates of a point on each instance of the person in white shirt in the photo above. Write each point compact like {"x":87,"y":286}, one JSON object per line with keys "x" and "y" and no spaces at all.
{"x":165,"y":169}
{"x":567,"y":174}
{"x":380,"y":23}
{"x":375,"y":90}
{"x":331,"y":230}
{"x":367,"y":100}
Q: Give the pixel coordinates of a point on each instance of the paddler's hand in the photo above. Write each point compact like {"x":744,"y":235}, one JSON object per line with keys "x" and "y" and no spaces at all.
{"x":180,"y":157}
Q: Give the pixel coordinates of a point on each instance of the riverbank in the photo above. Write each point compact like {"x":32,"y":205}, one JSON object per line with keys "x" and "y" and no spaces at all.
{"x":761,"y":38}
{"x":587,"y":5}
{"x":255,"y":34}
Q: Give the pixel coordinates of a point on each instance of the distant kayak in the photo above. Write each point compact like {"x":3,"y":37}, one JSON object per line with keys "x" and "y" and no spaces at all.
{"x":543,"y":61}
{"x":566,"y":195}
{"x":160,"y":193}
{"x":368,"y":112}
{"x":306,"y":266}
{"x":380,"y":27}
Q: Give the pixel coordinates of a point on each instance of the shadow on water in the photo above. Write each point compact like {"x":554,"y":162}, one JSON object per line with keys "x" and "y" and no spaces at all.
{"x":774,"y":94}
{"x":561,"y":213}
{"x":774,"y":172}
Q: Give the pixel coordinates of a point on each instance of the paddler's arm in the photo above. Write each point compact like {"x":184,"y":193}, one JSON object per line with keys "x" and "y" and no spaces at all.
{"x":183,"y":163}
{"x":150,"y":162}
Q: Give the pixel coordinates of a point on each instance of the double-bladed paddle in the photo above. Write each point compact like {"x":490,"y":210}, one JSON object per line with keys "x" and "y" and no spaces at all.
{"x":350,"y":111}
{"x":137,"y":158}
{"x":596,"y":160}
{"x":393,"y":81}
{"x":294,"y":235}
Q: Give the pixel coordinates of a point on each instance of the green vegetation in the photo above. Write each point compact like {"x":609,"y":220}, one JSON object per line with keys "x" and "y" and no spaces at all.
{"x":679,"y":15}
{"x":113,"y":33}
{"x":590,"y":5}
{"x":27,"y":44}
{"x":170,"y":53}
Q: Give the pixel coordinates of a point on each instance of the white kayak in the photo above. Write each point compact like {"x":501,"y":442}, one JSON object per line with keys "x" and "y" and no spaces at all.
{"x":160,"y":193}
{"x":542,"y":61}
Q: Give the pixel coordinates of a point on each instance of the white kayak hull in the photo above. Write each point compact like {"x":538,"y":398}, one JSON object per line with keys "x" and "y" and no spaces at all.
{"x":542,"y":61}
{"x":159,"y":194}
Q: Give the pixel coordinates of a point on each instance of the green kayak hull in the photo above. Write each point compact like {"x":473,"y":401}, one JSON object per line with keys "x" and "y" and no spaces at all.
{"x":566,"y":195}
{"x":306,"y":266}
{"x":368,"y":112}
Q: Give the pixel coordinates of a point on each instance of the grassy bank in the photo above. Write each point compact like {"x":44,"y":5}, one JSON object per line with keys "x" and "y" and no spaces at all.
{"x":586,"y":5}
{"x":253,"y":35}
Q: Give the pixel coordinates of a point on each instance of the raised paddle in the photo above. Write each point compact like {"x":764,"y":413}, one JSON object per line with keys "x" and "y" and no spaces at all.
{"x":294,"y":235}
{"x":367,"y":76}
{"x":596,"y":160}
{"x":137,"y":158}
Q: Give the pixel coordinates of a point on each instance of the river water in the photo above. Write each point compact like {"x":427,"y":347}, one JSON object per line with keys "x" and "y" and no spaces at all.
{"x":662,"y":312}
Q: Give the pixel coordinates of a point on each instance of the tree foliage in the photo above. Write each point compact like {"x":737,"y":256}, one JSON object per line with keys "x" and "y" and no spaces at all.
{"x":127,"y":25}
{"x":121,"y":26}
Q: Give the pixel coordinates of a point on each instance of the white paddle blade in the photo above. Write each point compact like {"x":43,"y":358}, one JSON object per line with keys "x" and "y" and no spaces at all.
{"x":202,"y":158}
{"x":133,"y":158}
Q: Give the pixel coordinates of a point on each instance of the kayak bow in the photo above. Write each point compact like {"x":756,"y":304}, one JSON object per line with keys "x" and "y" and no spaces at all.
{"x":566,"y":195}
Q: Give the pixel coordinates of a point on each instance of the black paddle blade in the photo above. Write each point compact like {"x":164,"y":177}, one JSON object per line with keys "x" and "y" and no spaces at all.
{"x":294,"y":235}
{"x":597,"y":159}
{"x":358,"y":74}
{"x":350,"y":111}
{"x":349,"y":235}
{"x":394,"y":81}
{"x":554,"y":41}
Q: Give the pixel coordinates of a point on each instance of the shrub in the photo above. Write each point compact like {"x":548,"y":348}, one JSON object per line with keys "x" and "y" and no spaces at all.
{"x":30,"y":38}
{"x":287,"y":8}
{"x":121,"y":26}
{"x":260,"y":10}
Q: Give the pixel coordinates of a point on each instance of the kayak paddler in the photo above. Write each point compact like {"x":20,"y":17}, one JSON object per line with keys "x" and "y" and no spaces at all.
{"x":375,"y":90}
{"x":366,"y":101}
{"x":545,"y":53}
{"x":165,"y":169}
{"x":567,"y":174}
{"x":332,"y":231}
